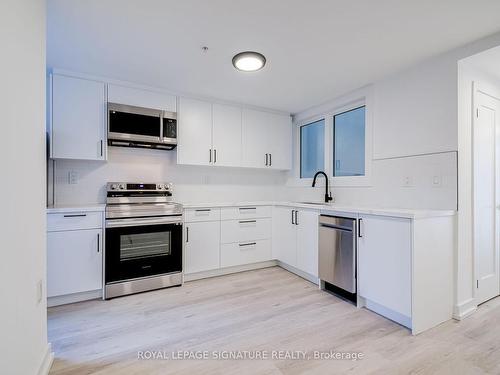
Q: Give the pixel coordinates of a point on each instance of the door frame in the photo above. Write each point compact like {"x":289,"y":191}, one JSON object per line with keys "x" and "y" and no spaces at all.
{"x":494,"y":92}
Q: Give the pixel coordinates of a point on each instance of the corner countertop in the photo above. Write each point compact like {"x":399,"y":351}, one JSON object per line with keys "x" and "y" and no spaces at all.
{"x":332,"y":208}
{"x":75,"y":208}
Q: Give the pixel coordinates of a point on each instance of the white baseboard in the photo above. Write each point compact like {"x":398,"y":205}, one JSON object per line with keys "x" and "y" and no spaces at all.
{"x":72,"y":298}
{"x":228,"y":270}
{"x":464,"y":309}
{"x":304,"y":275}
{"x":46,"y":364}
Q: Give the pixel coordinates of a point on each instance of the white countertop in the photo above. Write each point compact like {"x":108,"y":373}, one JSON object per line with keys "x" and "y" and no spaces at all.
{"x":75,"y":208}
{"x":333,"y":207}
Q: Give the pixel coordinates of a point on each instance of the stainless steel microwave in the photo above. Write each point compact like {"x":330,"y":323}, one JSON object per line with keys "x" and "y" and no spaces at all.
{"x":130,"y":126}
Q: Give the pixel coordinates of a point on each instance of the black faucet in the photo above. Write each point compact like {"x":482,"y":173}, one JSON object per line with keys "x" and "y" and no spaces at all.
{"x":328,"y":196}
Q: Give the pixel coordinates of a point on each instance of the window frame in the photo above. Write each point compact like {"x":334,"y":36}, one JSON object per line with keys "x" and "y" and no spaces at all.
{"x":358,"y":98}
{"x":300,"y":143}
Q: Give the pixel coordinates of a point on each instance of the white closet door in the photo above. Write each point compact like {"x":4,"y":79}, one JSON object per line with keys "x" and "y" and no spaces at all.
{"x":486,"y":143}
{"x":226,"y":135}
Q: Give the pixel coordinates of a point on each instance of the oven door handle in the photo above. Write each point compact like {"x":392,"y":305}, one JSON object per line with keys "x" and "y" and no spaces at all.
{"x":118,"y":223}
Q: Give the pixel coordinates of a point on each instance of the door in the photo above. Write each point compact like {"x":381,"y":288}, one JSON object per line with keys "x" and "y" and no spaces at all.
{"x":284,"y":235}
{"x":74,"y":261}
{"x":78,"y":118}
{"x":384,"y":262}
{"x":194,"y":132}
{"x":134,"y":251}
{"x":256,"y":138}
{"x":226,"y":135}
{"x":280,"y":131}
{"x":486,"y":143}
{"x":307,"y":241}
{"x":202,"y":246}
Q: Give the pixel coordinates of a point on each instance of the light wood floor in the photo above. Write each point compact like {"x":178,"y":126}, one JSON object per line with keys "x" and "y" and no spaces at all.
{"x":268,"y":309}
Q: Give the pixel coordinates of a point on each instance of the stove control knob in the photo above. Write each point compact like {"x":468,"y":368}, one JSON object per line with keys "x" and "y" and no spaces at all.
{"x":122,"y":187}
{"x":114,"y":186}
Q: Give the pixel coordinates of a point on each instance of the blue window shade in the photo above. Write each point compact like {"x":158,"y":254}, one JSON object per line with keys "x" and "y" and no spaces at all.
{"x":312,"y":148}
{"x":349,"y":143}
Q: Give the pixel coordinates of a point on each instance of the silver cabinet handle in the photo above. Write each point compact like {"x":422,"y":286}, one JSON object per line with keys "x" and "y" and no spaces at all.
{"x":210,"y":155}
{"x":215,"y":155}
{"x":266,"y":159}
{"x":98,"y":242}
{"x":101,"y":147}
{"x":247,"y":221}
{"x":75,"y":215}
{"x":187,"y":234}
{"x":293,"y":215}
{"x":360,"y":235}
{"x":203,"y":210}
{"x":296,"y":217}
{"x":270,"y":159}
{"x":247,"y":208}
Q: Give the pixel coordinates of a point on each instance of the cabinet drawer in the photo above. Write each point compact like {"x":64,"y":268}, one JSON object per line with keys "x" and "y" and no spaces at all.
{"x":245,"y":212}
{"x":192,"y":215}
{"x":239,"y":253}
{"x":245,"y":230}
{"x":74,"y":221}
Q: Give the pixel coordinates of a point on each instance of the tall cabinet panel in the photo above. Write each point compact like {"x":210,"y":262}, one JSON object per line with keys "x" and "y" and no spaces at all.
{"x":194,"y":132}
{"x":226,"y":135}
{"x":78,"y":114}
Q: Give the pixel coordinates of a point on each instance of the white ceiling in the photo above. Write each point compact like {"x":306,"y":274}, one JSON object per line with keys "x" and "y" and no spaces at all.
{"x":316,"y":50}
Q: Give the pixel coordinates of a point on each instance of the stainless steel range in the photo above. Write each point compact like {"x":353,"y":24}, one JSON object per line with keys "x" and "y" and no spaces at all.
{"x":143,"y":238}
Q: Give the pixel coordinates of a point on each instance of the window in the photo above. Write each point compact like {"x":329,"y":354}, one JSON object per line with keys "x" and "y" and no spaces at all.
{"x":349,"y":143}
{"x":312,"y":148}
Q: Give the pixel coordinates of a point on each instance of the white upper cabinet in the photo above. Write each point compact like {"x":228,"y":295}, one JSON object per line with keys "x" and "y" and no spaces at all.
{"x":78,"y":119}
{"x":226,"y":135}
{"x":141,"y":98}
{"x":194,"y":132}
{"x":266,"y":140}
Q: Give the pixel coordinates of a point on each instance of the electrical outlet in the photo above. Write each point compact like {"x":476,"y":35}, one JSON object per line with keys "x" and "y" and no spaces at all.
{"x":437,"y":181}
{"x":72,"y":177}
{"x":407,"y":181}
{"x":39,"y":291}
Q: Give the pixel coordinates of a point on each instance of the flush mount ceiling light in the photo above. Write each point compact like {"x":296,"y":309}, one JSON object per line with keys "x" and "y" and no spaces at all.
{"x":249,"y":61}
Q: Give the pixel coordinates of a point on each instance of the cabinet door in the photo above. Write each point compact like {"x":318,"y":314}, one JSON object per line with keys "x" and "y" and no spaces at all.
{"x":255,"y":138}
{"x":141,"y":98}
{"x":284,"y":236}
{"x":202,"y":246}
{"x":78,"y":118}
{"x":194,"y":132}
{"x":226,"y":135}
{"x":307,"y":242}
{"x":74,"y":261}
{"x":384,"y":260}
{"x":280,"y":132}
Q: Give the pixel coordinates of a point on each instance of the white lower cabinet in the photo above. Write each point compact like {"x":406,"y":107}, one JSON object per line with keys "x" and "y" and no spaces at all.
{"x":239,"y":253}
{"x":384,"y":268}
{"x":202,"y":246}
{"x":307,"y":241}
{"x":295,"y":238}
{"x":74,"y":261}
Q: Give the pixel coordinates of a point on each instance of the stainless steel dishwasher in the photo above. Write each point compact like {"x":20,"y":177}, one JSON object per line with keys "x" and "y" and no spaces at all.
{"x":337,"y":255}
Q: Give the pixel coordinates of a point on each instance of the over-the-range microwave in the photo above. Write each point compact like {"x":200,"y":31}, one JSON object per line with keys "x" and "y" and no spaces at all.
{"x":130,"y":126}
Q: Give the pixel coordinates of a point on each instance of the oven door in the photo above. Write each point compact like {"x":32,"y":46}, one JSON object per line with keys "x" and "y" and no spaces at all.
{"x":142,"y":247}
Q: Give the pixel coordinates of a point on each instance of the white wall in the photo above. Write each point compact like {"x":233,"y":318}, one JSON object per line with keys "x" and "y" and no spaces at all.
{"x":23,"y":323}
{"x":191,"y":183}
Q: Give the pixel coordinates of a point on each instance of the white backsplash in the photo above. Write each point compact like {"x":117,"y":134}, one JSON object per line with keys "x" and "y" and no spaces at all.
{"x":217,"y":184}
